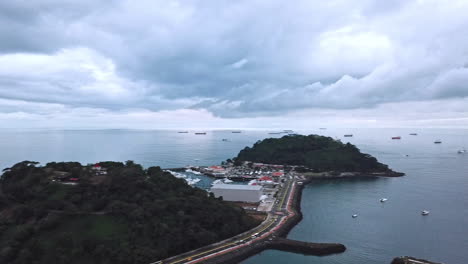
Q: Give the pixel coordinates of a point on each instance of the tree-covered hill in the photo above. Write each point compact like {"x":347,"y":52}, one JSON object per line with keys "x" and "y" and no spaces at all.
{"x":318,"y":153}
{"x":60,"y":213}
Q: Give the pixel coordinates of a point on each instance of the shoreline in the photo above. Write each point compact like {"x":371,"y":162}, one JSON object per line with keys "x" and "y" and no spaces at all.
{"x":281,"y":242}
{"x":234,"y":251}
{"x":273,"y":239}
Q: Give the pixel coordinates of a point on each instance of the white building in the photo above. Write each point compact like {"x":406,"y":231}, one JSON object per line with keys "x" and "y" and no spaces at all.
{"x":238,"y":193}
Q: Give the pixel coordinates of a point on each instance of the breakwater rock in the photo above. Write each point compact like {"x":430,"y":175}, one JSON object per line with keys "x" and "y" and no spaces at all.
{"x":306,"y":248}
{"x":411,"y":260}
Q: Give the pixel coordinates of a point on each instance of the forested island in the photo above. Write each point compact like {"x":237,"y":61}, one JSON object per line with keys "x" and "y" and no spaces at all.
{"x":314,"y":153}
{"x":111,"y":212}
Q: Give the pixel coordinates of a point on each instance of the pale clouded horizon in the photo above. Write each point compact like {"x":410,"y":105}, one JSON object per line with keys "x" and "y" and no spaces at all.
{"x":243,"y":64}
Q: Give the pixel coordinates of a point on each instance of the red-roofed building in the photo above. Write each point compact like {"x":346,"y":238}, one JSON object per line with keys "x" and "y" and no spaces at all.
{"x":277,"y":174}
{"x":265,"y":178}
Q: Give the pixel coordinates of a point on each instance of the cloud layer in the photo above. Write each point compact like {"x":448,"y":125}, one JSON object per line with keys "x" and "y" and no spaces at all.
{"x":225,"y":59}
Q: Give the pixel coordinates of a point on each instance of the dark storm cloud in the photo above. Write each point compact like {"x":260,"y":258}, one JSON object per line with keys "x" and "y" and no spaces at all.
{"x":232,"y":58}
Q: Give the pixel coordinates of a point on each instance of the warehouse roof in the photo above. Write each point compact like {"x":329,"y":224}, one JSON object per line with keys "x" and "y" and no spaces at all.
{"x":237,"y":187}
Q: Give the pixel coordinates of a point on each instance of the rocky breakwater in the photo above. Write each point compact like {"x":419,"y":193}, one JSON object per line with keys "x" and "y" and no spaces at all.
{"x":354,"y":174}
{"x":278,"y":240}
{"x":306,"y":248}
{"x":411,"y":260}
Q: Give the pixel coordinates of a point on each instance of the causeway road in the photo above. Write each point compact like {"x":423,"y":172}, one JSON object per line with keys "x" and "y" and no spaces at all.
{"x":279,"y":215}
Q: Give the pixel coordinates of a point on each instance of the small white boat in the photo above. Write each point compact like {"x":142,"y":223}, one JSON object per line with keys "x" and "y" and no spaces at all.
{"x":191,"y":181}
{"x":226,"y":180}
{"x":424,"y":212}
{"x":383,"y":200}
{"x":461,"y":151}
{"x":253,"y":182}
{"x":354,"y":215}
{"x":217,"y":182}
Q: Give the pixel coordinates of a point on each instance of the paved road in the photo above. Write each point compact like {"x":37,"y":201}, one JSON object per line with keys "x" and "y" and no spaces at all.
{"x":264,"y":231}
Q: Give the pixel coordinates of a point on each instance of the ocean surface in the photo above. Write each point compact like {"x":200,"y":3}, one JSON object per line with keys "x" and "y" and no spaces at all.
{"x":436,"y":180}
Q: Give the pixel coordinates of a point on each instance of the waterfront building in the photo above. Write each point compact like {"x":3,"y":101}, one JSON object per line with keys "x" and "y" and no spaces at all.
{"x":238,"y":193}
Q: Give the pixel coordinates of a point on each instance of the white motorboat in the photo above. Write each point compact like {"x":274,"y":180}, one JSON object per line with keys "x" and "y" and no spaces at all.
{"x":193,"y":171}
{"x":383,"y":200}
{"x":354,"y":215}
{"x":191,"y":181}
{"x":253,"y":182}
{"x":217,"y":182}
{"x":461,"y":151}
{"x":424,"y":212}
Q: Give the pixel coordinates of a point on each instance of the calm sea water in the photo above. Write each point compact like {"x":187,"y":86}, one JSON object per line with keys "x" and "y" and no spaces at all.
{"x":437,"y":180}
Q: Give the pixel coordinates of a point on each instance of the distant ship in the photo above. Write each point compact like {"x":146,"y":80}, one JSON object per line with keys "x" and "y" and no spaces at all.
{"x":396,"y":137}
{"x":348,"y":135}
{"x":437,"y":141}
{"x":200,"y":133}
{"x":182,"y":132}
{"x":413,"y":134}
{"x":461,"y":151}
{"x":322,"y":128}
{"x":236,"y":131}
{"x":225,"y":139}
{"x":275,"y":133}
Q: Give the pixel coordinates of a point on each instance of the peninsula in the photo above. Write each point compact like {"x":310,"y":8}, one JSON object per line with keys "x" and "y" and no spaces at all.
{"x":277,"y":171}
{"x":109,"y":212}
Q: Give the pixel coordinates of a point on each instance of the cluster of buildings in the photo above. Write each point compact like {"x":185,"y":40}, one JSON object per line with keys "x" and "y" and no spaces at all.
{"x":263,"y":181}
{"x":66,"y":177}
{"x":98,"y":169}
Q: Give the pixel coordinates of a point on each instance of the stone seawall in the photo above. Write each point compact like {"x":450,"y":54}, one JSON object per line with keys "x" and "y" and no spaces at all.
{"x":279,"y":241}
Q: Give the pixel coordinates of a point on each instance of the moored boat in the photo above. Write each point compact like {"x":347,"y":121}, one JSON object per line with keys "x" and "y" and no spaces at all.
{"x":383,"y":200}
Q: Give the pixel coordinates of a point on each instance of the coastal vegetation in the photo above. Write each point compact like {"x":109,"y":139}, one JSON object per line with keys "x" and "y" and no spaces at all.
{"x":112,"y":213}
{"x":313,"y":152}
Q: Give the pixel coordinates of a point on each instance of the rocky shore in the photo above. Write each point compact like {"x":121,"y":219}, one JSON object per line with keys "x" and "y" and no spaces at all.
{"x":332,"y":174}
{"x":412,"y":260}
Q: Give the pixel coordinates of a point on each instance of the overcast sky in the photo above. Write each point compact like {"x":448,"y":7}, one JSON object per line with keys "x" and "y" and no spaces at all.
{"x":233,"y":64}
